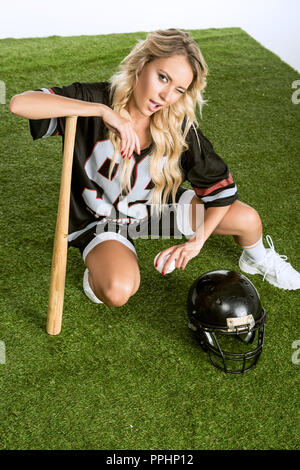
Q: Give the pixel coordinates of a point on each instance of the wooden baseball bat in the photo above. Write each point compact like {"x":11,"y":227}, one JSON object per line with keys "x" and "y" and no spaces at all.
{"x":60,"y":247}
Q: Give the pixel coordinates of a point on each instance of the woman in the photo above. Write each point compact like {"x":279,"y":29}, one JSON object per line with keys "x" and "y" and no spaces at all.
{"x":137,"y":139}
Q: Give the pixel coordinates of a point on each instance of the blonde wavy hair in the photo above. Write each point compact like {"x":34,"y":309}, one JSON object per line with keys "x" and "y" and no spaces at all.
{"x":166,"y":124}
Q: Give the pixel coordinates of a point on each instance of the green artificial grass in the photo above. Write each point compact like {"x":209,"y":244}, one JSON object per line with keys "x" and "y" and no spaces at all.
{"x":134,"y":377}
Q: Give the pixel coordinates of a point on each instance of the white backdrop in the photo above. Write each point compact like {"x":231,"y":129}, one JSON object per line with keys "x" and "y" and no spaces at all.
{"x":274,"y":23}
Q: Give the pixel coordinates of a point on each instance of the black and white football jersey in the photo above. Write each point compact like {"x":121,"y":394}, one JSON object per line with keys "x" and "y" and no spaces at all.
{"x":94,"y":196}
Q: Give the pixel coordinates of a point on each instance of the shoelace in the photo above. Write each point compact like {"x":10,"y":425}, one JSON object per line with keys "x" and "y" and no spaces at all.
{"x":279,"y":261}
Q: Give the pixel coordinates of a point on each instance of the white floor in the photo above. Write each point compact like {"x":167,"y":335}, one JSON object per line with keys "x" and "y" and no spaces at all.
{"x":274,"y":23}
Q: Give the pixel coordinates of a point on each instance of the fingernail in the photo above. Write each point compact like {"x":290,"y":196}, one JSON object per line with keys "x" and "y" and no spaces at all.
{"x":162,"y":274}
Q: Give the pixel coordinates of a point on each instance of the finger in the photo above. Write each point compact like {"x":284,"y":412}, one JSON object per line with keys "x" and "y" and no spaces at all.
{"x":170,"y":260}
{"x":184,"y":263}
{"x":137,"y":144}
{"x":182,"y":260}
{"x":123,"y":136}
{"x":127,"y":139}
{"x":163,"y":254}
{"x":179,"y":262}
{"x":132,"y":142}
{"x":126,"y":146}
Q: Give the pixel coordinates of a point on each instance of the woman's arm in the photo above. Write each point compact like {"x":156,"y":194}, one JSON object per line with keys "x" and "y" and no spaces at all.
{"x":40,"y":105}
{"x":213,"y":216}
{"x":183,"y":253}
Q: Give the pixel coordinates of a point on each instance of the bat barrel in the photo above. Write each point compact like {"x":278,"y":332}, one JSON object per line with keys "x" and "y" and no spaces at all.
{"x":60,"y":247}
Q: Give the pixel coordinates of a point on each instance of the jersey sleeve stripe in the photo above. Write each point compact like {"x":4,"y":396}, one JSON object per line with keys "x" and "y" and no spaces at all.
{"x":48,"y":90}
{"x":51,"y":128}
{"x":53,"y":121}
{"x":221,"y":184}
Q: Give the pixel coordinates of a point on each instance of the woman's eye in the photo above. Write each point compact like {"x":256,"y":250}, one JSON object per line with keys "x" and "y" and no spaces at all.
{"x":163,"y":77}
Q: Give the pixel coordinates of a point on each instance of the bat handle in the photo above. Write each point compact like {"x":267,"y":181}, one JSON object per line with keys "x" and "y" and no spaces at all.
{"x":60,"y":247}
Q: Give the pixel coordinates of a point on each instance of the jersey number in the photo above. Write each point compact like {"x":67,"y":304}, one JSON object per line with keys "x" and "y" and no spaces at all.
{"x":107,"y":199}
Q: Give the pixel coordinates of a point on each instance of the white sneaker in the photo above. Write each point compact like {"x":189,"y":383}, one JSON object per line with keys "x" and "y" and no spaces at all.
{"x":87,"y":288}
{"x":273,"y":267}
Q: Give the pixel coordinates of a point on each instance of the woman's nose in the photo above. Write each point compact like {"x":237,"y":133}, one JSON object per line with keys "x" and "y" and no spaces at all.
{"x":166,"y":94}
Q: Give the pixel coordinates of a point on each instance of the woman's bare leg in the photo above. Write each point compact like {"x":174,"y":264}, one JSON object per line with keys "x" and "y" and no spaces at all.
{"x":114,"y":274}
{"x":241,"y":221}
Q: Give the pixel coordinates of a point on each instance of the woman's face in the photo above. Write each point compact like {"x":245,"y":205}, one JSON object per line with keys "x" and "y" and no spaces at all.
{"x":161,"y":83}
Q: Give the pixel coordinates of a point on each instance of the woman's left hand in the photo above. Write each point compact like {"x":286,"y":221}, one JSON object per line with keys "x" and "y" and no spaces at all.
{"x":181,"y":254}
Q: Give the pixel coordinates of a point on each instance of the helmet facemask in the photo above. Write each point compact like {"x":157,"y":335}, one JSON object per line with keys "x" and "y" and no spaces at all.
{"x":235,"y":351}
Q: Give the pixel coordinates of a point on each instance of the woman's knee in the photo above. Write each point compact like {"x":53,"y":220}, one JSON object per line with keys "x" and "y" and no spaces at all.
{"x":250,"y":219}
{"x":240,"y":219}
{"x":114,"y":292}
{"x":113,"y":272}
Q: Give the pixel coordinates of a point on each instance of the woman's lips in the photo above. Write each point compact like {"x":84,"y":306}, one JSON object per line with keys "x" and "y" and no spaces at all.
{"x":153,"y":105}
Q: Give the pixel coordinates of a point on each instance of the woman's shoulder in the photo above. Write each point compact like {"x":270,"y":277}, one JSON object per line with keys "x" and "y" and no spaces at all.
{"x":95,"y":91}
{"x":98,"y":92}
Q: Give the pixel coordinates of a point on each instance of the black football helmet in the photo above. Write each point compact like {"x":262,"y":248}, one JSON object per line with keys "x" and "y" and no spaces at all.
{"x":224,"y":306}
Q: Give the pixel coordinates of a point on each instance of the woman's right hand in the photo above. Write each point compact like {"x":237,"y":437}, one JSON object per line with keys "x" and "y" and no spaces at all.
{"x":123,"y":129}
